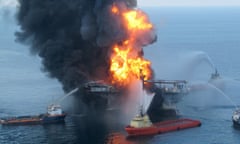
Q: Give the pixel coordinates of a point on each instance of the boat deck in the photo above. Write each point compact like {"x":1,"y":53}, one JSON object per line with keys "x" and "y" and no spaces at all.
{"x":174,"y":125}
{"x":163,"y":127}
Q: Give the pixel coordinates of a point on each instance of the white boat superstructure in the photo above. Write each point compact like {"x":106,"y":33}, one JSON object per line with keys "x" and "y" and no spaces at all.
{"x":54,"y":110}
{"x":236,"y":118}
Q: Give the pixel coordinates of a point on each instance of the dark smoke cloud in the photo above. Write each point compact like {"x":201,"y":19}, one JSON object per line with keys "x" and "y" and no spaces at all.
{"x":73,"y":37}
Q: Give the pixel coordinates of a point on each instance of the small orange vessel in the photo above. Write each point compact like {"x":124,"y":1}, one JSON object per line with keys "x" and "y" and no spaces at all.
{"x":141,"y":125}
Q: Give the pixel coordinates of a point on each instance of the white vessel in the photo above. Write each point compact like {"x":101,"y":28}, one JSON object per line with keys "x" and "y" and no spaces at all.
{"x":236,"y":118}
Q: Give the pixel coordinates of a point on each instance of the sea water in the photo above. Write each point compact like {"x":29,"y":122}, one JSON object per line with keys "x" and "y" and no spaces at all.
{"x":183,"y":34}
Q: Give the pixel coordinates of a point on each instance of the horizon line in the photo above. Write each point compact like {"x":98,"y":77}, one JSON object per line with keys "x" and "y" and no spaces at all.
{"x":188,"y":6}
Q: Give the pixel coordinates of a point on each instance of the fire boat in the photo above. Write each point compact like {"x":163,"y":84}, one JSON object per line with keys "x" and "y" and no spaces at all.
{"x":141,"y":125}
{"x":215,"y":76}
{"x":54,"y":114}
{"x":236,"y":118}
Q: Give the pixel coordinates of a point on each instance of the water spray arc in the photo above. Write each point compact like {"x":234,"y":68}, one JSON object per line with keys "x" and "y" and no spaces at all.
{"x":200,"y":56}
{"x":222,"y":93}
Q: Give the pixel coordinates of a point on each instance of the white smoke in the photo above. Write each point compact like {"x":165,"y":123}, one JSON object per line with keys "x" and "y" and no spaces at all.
{"x":8,"y":3}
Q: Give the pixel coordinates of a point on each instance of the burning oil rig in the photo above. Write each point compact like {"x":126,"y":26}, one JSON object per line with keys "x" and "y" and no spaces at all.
{"x":101,"y":40}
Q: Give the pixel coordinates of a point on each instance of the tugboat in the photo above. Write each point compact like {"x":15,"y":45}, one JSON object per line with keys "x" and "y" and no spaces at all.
{"x":236,"y":118}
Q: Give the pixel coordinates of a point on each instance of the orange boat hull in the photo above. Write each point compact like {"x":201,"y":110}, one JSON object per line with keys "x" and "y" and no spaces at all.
{"x":163,"y":127}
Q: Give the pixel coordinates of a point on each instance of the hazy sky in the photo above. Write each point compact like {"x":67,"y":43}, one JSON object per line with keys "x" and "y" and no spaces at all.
{"x":189,"y":2}
{"x":8,"y":3}
{"x":13,"y":3}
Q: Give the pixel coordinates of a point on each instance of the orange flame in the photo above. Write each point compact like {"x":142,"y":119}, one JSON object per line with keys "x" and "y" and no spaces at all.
{"x":126,"y":67}
{"x":115,"y":9}
{"x":126,"y":63}
{"x":136,"y":20}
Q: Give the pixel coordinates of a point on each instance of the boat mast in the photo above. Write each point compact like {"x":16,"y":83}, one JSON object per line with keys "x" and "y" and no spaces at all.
{"x":142,"y":112}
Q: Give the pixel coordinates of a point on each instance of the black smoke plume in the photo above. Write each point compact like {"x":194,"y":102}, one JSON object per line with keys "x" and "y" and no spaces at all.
{"x":73,"y":37}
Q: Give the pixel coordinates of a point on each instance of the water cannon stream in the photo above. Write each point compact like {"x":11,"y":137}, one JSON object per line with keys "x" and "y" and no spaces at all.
{"x":206,"y":57}
{"x":142,"y":109}
{"x":58,"y":101}
{"x":222,"y":93}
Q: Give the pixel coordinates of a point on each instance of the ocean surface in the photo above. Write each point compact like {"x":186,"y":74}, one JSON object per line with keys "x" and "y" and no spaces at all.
{"x":192,"y":43}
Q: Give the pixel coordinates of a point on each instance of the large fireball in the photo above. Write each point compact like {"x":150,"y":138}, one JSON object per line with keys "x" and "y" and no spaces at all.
{"x":127,"y":62}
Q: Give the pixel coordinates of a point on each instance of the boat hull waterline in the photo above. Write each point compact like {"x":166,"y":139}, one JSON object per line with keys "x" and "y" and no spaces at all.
{"x":31,"y":120}
{"x":163,"y":127}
